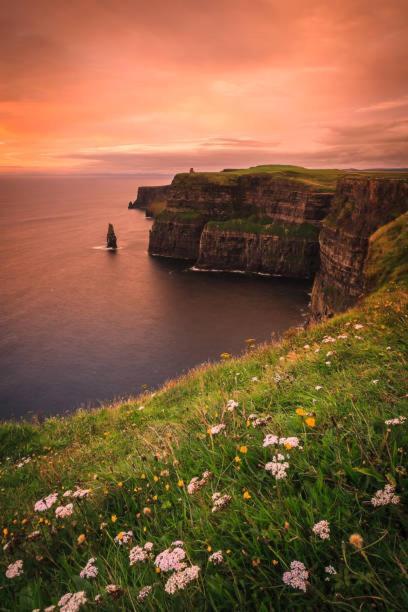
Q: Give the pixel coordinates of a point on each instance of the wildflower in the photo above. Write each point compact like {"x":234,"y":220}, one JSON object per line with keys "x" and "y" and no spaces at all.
{"x":81,"y":538}
{"x":237,"y":459}
{"x":114,"y":518}
{"x":113,"y":590}
{"x":256,"y":562}
{"x":277,"y":467}
{"x":171,"y":559}
{"x":71,"y":602}
{"x":124,"y":537}
{"x":64,"y":511}
{"x":144,"y":593}
{"x":322,"y":529}
{"x":15,"y":569}
{"x":297,"y":576}
{"x":291,"y":442}
{"x":216,"y":558}
{"x":231,"y":405}
{"x":196,"y":483}
{"x":181,"y":579}
{"x":120,"y":485}
{"x":330,"y":570}
{"x":358,"y":326}
{"x":5,"y":532}
{"x":80,"y":493}
{"x":270,"y":440}
{"x":275,"y":562}
{"x":356,"y":540}
{"x":318,"y":387}
{"x":225,"y":356}
{"x":165,"y":473}
{"x":246,"y":495}
{"x":310,"y":421}
{"x":216,"y":429}
{"x":45,"y":503}
{"x":90,"y":570}
{"x":301,"y":411}
{"x":34,"y":535}
{"x":385,"y":496}
{"x":147,"y":511}
{"x":243,"y":450}
{"x":375,"y":381}
{"x":254,"y":379}
{"x":98,"y":599}
{"x":220,"y":501}
{"x":139,"y":554}
{"x":397,"y":421}
{"x":261,"y":421}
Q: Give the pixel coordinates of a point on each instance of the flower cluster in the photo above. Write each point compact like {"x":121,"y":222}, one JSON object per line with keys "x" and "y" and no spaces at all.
{"x":216,"y":558}
{"x":171,"y":558}
{"x":80,"y":493}
{"x":216,"y":429}
{"x":179,"y":580}
{"x":113,"y":590}
{"x":90,"y":570}
{"x":15,"y":569}
{"x":322,"y":529}
{"x":329,"y":569}
{"x":278,"y":466}
{"x":197,"y":483}
{"x":397,"y":421}
{"x":45,"y":504}
{"x":385,"y":496}
{"x":64,"y":511}
{"x":71,"y":602}
{"x":220,"y":501}
{"x":291,"y":442}
{"x":297,"y":576}
{"x":140,"y":554}
{"x":231,"y":405}
{"x":260,"y":421}
{"x":124,"y":537}
{"x":144,"y":593}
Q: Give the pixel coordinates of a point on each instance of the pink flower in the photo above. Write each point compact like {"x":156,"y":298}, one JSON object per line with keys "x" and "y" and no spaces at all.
{"x":270,"y":440}
{"x":297,"y":576}
{"x":397,"y":421}
{"x":216,"y":429}
{"x":179,"y":580}
{"x":216,"y":558}
{"x":64,"y":511}
{"x":124,"y":537}
{"x":139,"y":554}
{"x":322,"y":529}
{"x":385,"y":496}
{"x":196,"y":483}
{"x":171,"y":559}
{"x":90,"y":570}
{"x":144,"y":593}
{"x":15,"y":569}
{"x":277,"y":467}
{"x":45,"y":503}
{"x":80,"y":493}
{"x":231,"y":405}
{"x":71,"y":602}
{"x":220,"y":501}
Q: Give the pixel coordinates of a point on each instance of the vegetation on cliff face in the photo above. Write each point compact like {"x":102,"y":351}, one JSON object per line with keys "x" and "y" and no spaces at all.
{"x":297,"y":450}
{"x":265,"y":225}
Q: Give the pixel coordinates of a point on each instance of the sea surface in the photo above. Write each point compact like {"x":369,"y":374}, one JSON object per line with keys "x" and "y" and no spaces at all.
{"x":80,"y":325}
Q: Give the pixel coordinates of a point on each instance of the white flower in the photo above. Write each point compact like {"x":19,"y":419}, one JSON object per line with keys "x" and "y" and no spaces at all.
{"x":216,"y":429}
{"x":270,"y":440}
{"x":297,"y":576}
{"x":144,"y":592}
{"x":64,"y":511}
{"x":71,"y":602}
{"x":44,"y":504}
{"x":15,"y":569}
{"x":220,"y":501}
{"x":216,"y":558}
{"x":397,"y":421}
{"x":330,"y":570}
{"x":90,"y":570}
{"x":277,"y":467}
{"x":231,"y":405}
{"x":179,"y":580}
{"x":385,"y":496}
{"x":322,"y":529}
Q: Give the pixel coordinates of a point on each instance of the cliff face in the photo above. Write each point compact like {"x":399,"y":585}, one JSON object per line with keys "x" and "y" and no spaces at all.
{"x":151,"y":199}
{"x":257,"y":252}
{"x":181,"y":231}
{"x":360,"y":207}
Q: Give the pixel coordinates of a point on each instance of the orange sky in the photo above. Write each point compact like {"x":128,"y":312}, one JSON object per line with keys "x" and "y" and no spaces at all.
{"x":157,"y":86}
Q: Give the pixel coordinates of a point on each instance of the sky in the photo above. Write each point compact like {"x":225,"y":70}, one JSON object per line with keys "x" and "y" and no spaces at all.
{"x":157,"y":86}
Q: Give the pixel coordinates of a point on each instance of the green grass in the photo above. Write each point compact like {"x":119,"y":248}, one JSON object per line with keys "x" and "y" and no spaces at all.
{"x":183,"y":216}
{"x":318,"y":179}
{"x":264,"y":225}
{"x":388,"y":253}
{"x":123,"y":454}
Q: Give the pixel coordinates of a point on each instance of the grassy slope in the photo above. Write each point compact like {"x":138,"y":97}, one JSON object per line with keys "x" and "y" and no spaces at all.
{"x":265,"y":225}
{"x":119,"y":452}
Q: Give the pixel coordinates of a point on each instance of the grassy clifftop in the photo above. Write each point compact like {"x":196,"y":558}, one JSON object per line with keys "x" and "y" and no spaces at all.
{"x":295,"y":470}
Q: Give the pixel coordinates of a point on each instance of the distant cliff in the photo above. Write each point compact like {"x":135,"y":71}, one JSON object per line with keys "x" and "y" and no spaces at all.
{"x":279,"y":220}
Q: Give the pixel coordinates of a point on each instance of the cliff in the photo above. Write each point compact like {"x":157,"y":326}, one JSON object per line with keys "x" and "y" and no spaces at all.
{"x":151,"y":199}
{"x":361,"y":205}
{"x":276,"y":204}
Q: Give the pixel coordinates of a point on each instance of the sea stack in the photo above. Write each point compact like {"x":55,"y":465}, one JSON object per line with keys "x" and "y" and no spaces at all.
{"x":111,"y":242}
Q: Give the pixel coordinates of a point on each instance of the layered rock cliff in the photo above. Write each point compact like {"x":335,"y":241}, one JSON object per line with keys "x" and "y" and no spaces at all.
{"x":273,"y":207}
{"x":361,"y":205}
{"x":151,"y":199}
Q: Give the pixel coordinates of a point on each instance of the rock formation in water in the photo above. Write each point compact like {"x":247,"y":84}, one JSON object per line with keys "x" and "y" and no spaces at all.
{"x":294,"y":223}
{"x":111,"y":240}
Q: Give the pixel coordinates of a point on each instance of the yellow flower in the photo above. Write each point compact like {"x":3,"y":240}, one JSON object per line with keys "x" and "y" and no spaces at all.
{"x":301,"y":411}
{"x":248,"y":423}
{"x":5,"y":532}
{"x":144,"y":529}
{"x":228,"y":551}
{"x":209,"y":549}
{"x":81,"y":538}
{"x":155,"y":478}
{"x":275,"y":562}
{"x":167,"y":487}
{"x":256,"y":562}
{"x":310,"y":421}
{"x":356,"y":540}
{"x":155,"y":498}
{"x":120,"y":535}
{"x":237,"y":459}
{"x":120,"y":484}
{"x":24,"y":521}
{"x":243,"y":450}
{"x":246,"y":495}
{"x":180,"y":483}
{"x":157,"y":570}
{"x":114,"y":518}
{"x":286,"y":525}
{"x":225,"y":355}
{"x":147,"y":511}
